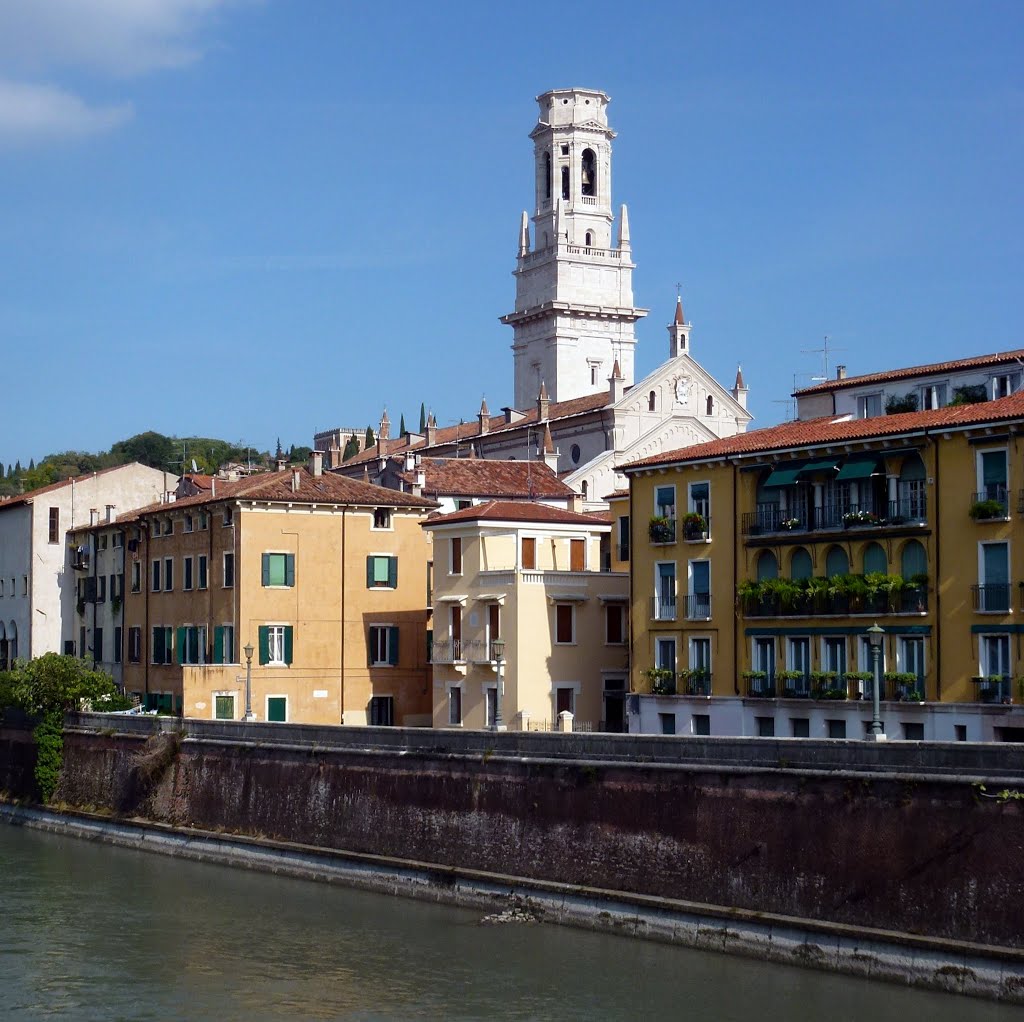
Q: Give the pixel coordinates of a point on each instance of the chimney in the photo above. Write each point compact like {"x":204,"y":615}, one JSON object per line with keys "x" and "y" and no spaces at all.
{"x":316,"y":463}
{"x":616,"y":384}
{"x":420,"y":481}
{"x":546,"y":449}
{"x":576,"y":503}
{"x":543,"y":403}
{"x":296,"y":480}
{"x":110,"y":512}
{"x":410,"y":461}
{"x":93,"y":516}
{"x":840,"y":372}
{"x":740,"y":389}
{"x":281,"y":463}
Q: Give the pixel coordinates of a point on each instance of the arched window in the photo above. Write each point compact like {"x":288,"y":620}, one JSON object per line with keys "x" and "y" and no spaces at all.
{"x":652,"y":402}
{"x":711,"y":405}
{"x":875,"y":559}
{"x":837,"y":563}
{"x":914,"y":560}
{"x":912,"y":503}
{"x":767,"y":566}
{"x":588,"y":172}
{"x":547,"y":176}
{"x":584,"y":488}
{"x":589,"y":239}
{"x":565,"y":182}
{"x":800,"y":564}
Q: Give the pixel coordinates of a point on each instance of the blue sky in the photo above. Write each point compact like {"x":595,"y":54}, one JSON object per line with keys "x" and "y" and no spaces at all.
{"x":258,"y":218}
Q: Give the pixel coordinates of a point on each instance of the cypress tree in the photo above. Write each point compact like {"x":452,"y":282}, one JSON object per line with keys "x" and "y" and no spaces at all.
{"x":423,"y":417}
{"x":17,"y":468}
{"x":351,"y":448}
{"x":401,"y":426}
{"x":370,"y":441}
{"x":32,"y":464}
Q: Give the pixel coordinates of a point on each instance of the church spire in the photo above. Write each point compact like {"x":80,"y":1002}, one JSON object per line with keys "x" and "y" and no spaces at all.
{"x":678,"y":331}
{"x":624,"y":228}
{"x":524,"y":235}
{"x":740,"y":389}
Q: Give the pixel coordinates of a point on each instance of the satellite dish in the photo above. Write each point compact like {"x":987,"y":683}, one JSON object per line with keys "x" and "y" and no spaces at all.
{"x":195,"y":467}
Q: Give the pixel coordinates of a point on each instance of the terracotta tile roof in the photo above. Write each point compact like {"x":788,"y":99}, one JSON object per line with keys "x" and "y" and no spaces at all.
{"x":517,"y":511}
{"x":978,"y":361}
{"x":447,"y":435}
{"x":617,"y":495}
{"x":479,"y":477}
{"x":829,"y":429}
{"x":27,"y":498}
{"x":328,"y":488}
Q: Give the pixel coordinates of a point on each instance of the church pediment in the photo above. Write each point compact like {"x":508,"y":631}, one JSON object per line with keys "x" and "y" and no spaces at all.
{"x":679,"y":386}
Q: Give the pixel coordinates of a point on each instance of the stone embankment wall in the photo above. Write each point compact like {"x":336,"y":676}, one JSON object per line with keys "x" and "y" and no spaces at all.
{"x":897,"y":838}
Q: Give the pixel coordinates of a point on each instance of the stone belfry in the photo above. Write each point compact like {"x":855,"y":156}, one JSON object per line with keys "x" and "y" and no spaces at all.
{"x":574,"y":314}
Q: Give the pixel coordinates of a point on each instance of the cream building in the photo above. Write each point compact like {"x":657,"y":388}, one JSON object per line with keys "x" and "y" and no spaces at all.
{"x":530,"y":575}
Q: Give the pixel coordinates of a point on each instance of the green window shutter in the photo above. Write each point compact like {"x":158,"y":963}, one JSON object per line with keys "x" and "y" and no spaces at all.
{"x":264,"y":644}
{"x":393,"y":646}
{"x":370,"y":632}
{"x":288,"y":644}
{"x":266,"y":569}
{"x":218,"y":644}
{"x":393,"y":572}
{"x":182,"y":638}
{"x":369,"y":572}
{"x":289,"y":569}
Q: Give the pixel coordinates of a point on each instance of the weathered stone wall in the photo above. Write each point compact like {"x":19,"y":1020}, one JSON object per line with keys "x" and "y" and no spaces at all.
{"x":897,"y":851}
{"x":17,"y":762}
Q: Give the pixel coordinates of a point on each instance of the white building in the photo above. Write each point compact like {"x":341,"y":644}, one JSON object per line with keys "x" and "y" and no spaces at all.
{"x":576,"y":405}
{"x":39,"y":594}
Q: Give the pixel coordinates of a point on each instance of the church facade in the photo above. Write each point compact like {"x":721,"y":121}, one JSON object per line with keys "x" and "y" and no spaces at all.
{"x":576,"y":405}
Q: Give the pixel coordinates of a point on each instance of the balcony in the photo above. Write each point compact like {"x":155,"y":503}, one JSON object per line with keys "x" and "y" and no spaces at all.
{"x":448,"y":651}
{"x":666,"y":682}
{"x":696,"y":528}
{"x":662,"y":610}
{"x":990,"y":505}
{"x":695,"y":682}
{"x":760,"y":684}
{"x":993,"y":598}
{"x":697,"y":606}
{"x":80,"y":558}
{"x":993,"y":688}
{"x":661,"y":530}
{"x":769,"y":519}
{"x":794,"y":598}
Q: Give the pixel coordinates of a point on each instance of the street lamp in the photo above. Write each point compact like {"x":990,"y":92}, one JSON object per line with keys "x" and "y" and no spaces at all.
{"x":498,"y":646}
{"x":249,"y":715}
{"x":875,"y":637}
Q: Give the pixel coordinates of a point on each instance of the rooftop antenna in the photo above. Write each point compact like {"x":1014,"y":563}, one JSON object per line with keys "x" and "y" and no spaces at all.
{"x":825,"y":350}
{"x":790,"y":407}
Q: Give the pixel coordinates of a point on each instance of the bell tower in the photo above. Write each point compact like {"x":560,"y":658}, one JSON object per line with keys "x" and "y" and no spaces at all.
{"x":574,"y":314}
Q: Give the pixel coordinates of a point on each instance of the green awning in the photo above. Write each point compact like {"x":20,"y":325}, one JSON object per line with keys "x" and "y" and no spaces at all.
{"x":819,"y":467}
{"x":858,"y":468}
{"x":785,"y":474}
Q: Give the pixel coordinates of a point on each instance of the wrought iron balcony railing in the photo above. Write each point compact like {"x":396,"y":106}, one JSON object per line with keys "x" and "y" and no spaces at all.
{"x":992,"y":598}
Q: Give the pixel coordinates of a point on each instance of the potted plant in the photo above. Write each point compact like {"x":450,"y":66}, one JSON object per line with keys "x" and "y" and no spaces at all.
{"x":756,"y":682}
{"x":662,"y":529}
{"x":792,"y":683}
{"x":789,"y":524}
{"x":855,"y":518}
{"x":824,"y":685}
{"x":985,"y":510}
{"x":695,"y":526}
{"x":865,"y":683}
{"x":663,"y":680}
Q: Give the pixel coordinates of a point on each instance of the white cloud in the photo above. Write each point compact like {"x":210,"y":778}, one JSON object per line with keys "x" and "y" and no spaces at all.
{"x":37,"y":113}
{"x":116,"y":37}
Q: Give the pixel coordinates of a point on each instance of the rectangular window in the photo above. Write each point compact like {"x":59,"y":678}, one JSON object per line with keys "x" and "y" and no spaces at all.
{"x":764,"y":657}
{"x":565,"y":699}
{"x":614,"y":624}
{"x":455,"y":555}
{"x":187,"y":580}
{"x":565,"y":623}
{"x":117,"y":644}
{"x":455,"y":631}
{"x":913,"y":731}
{"x":700,"y":590}
{"x":765,"y":727}
{"x":382,"y":518}
{"x":224,"y":707}
{"x":833,"y":655}
{"x":490,"y":705}
{"x":665,"y":591}
{"x":665,"y":501}
{"x":702,"y":724}
{"x":836,"y":728}
{"x":188,"y":524}
{"x":800,"y":727}
{"x":97,"y":644}
{"x":1004,"y":385}
{"x":995,"y":578}
{"x":529,"y":557}
{"x":229,"y":570}
{"x":276,"y":645}
{"x":700,"y":500}
{"x":229,"y":515}
{"x":204,"y":520}
{"x":134,"y":644}
{"x":934,"y":397}
{"x":995,"y":656}
{"x":667,"y":722}
{"x":192,"y":644}
{"x":577,"y":554}
{"x":102,"y":541}
{"x":168,"y":574}
{"x":101,"y":588}
{"x":455,"y":705}
{"x":624,"y":538}
{"x":163,"y":645}
{"x":224,"y":644}
{"x":278,"y":570}
{"x":665,"y":654}
{"x":383,"y":645}
{"x":381,"y":571}
{"x":202,"y":571}
{"x":136,"y":576}
{"x":54,"y":531}
{"x":993,"y":477}
{"x":156,"y":577}
{"x":869,"y":405}
{"x":382,"y":711}
{"x":277,"y":709}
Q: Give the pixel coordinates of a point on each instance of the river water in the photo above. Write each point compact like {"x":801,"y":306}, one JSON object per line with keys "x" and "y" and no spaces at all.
{"x":90,"y":931}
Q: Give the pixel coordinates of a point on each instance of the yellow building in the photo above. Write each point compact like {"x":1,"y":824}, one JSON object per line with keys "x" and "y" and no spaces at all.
{"x":324,"y":577}
{"x":530,"y":575}
{"x":760,"y":561}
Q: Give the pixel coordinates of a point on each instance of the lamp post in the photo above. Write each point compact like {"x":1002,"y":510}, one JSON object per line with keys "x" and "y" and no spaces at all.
{"x":249,"y":715}
{"x":498,"y":646}
{"x":875,"y":637}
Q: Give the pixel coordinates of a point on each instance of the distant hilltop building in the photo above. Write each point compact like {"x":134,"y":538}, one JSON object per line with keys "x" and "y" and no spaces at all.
{"x":576,"y":405}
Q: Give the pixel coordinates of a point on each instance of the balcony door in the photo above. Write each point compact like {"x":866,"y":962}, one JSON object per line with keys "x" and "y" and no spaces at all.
{"x":995,"y":577}
{"x":665,"y":592}
{"x":700,"y":589}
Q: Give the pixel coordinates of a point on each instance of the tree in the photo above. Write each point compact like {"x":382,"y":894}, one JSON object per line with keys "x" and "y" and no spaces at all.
{"x":152,"y":449}
{"x":423,"y":417}
{"x":351,"y":448}
{"x":31,"y":464}
{"x":401,"y":425}
{"x":278,"y":454}
{"x":370,"y":441}
{"x":17,"y":468}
